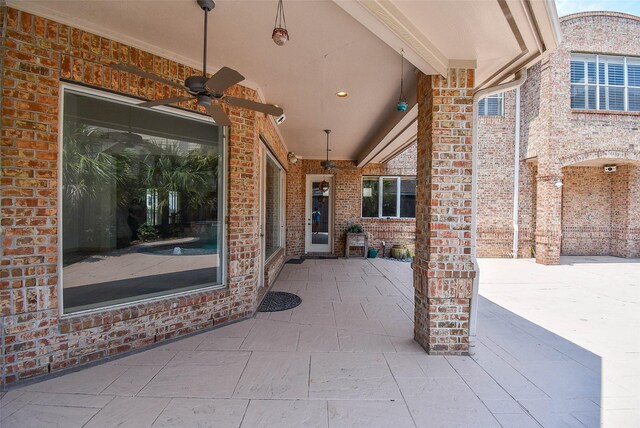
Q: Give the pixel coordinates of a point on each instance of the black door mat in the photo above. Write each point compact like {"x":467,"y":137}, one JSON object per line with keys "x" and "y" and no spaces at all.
{"x":295,"y":261}
{"x":276,"y":301}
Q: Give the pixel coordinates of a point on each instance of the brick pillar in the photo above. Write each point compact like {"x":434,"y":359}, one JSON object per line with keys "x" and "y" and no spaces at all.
{"x":548,"y":219}
{"x":443,"y":270}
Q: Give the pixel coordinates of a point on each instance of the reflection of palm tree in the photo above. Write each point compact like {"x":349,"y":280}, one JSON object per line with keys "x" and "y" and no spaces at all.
{"x":87,"y":170}
{"x":194,"y":176}
{"x":99,"y":164}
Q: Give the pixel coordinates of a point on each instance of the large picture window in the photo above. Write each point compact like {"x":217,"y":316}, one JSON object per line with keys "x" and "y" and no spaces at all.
{"x":605,"y":83}
{"x":142,"y":203}
{"x":389,"y":197}
{"x":273,"y":207}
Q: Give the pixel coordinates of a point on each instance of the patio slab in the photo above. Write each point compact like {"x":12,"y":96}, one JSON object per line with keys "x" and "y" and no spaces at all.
{"x":550,"y":352}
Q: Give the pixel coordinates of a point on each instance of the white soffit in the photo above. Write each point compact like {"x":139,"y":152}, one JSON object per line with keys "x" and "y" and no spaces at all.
{"x":496,"y":37}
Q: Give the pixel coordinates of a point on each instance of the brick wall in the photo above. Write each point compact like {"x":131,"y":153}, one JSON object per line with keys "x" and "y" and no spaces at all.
{"x":586,"y":211}
{"x":553,"y":138}
{"x":496,"y":151}
{"x":347,"y":194}
{"x":35,"y":340}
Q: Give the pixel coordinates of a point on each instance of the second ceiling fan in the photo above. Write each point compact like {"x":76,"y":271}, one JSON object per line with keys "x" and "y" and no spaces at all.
{"x":209,"y":92}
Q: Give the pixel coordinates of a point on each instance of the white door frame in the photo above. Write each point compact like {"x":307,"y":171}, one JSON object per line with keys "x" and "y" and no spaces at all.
{"x":308,"y":246}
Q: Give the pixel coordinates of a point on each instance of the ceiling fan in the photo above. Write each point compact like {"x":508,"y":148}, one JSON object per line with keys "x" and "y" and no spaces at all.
{"x":209,"y":92}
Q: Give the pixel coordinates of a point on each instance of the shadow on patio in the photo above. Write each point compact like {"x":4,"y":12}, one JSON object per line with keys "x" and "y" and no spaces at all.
{"x":344,"y":357}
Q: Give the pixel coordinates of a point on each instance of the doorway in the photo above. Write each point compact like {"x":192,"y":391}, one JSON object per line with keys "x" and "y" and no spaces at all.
{"x":319,"y":214}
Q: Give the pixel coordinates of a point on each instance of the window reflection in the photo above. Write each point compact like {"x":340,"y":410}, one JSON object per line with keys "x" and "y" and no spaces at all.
{"x":141,"y":206}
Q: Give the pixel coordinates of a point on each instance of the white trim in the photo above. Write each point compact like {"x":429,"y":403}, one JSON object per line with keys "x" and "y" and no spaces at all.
{"x":223,"y":257}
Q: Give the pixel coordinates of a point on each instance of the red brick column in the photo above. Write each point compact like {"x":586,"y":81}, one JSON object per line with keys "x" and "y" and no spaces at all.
{"x":548,"y":219}
{"x":443,"y":268}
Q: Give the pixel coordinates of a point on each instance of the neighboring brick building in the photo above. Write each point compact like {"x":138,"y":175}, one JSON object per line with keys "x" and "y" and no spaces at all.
{"x":567,"y":136}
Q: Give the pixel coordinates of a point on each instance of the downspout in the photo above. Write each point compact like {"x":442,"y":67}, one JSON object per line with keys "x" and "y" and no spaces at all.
{"x":516,"y":177}
{"x":520,"y":78}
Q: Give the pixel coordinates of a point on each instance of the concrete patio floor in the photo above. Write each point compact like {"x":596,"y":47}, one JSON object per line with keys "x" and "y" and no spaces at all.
{"x":557,"y":346}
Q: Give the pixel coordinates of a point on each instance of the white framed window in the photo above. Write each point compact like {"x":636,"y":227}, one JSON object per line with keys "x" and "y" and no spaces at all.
{"x":143,"y":202}
{"x":387,"y":197}
{"x":273,"y":205}
{"x":493,"y":105}
{"x":601,"y":82}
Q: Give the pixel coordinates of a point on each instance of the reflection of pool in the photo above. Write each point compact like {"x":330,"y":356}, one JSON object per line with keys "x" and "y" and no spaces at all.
{"x":195,"y":249}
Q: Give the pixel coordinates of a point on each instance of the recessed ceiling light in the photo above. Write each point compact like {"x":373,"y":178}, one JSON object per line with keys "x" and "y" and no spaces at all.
{"x":342,"y":94}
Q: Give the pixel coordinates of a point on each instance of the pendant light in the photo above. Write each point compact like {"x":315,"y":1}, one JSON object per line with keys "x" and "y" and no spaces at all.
{"x":280,"y":34}
{"x":402,"y":100}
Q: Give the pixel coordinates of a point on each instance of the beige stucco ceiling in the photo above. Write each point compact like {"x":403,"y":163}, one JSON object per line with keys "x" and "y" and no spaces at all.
{"x":335,"y":45}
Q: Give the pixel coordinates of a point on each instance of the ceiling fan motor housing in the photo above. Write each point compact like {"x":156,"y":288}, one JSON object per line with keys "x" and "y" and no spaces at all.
{"x":195,"y":84}
{"x":206,"y":5}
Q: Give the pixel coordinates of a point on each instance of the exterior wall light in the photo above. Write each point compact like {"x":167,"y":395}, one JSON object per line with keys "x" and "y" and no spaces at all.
{"x":292,"y":158}
{"x":558,"y":183}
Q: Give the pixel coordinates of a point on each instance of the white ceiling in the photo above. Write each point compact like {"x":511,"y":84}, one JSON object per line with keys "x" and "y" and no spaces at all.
{"x":335,"y":45}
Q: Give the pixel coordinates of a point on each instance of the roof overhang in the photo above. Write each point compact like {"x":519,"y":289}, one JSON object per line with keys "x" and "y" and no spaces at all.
{"x":495,"y":37}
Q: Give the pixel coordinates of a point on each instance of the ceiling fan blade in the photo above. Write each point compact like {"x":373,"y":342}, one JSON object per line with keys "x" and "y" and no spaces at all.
{"x":253,"y":105}
{"x":164,"y":101}
{"x":224,"y":78}
{"x":131,"y":69}
{"x":218,"y":114}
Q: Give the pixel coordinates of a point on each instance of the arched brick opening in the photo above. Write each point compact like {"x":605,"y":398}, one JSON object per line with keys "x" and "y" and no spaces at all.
{"x":599,"y":207}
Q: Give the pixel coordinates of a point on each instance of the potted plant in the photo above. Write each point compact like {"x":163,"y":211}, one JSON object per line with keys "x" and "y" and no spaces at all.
{"x":354,"y":228}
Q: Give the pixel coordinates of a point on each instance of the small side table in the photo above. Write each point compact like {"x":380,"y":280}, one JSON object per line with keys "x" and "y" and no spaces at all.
{"x":356,"y":240}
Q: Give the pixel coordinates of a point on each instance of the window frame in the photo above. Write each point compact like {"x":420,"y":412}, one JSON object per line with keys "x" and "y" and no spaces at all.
{"x":381,"y":179}
{"x":482,"y":105}
{"x":281,"y":206}
{"x":176,"y":111}
{"x":605,"y":60}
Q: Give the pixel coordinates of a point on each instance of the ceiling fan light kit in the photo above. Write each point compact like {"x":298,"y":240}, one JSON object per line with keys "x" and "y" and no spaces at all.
{"x":280,"y":35}
{"x":209,"y":92}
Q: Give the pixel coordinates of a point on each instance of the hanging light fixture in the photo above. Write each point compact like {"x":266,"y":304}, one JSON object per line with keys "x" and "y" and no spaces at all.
{"x":280,"y":34}
{"x":402,"y":101}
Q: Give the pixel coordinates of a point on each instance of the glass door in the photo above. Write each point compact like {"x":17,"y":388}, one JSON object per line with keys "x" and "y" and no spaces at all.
{"x":319,"y":214}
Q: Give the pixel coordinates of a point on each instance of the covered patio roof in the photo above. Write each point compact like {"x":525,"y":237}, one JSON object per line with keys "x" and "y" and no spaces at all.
{"x":340,"y":45}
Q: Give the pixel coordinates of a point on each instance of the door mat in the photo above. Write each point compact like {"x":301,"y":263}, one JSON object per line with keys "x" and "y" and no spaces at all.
{"x":295,"y":261}
{"x":276,"y":301}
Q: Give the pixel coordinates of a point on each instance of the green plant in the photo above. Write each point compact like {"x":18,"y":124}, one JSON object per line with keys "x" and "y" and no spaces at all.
{"x":147,"y":232}
{"x":354,"y":228}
